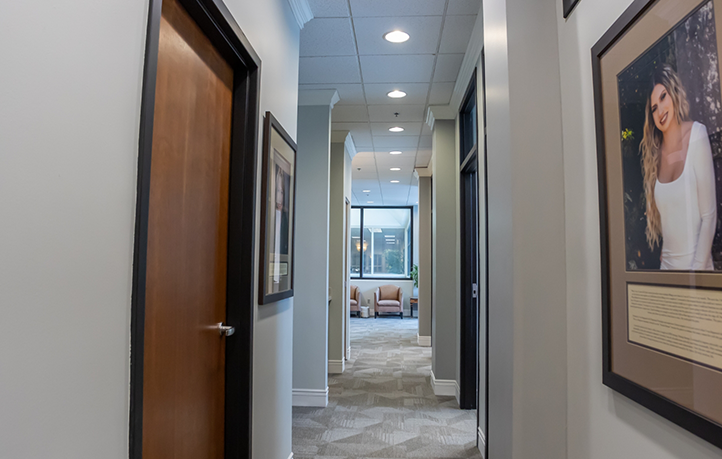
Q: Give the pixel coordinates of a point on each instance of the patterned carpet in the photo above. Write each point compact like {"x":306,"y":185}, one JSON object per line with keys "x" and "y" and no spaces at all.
{"x":383,"y":406}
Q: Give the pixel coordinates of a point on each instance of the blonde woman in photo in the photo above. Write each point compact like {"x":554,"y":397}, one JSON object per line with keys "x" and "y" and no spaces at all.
{"x":679,"y":180}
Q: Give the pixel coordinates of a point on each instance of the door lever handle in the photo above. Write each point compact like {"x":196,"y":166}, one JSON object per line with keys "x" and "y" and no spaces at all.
{"x":225,"y":330}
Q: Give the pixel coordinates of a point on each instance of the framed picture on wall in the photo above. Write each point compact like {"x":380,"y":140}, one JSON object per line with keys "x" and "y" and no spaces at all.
{"x":568,"y":6}
{"x":277,"y":212}
{"x":658,"y":110}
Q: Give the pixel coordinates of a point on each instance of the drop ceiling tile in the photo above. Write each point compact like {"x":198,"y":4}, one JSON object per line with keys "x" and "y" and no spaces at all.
{"x":360,"y":133}
{"x":325,"y":70}
{"x":425,"y":32}
{"x":396,"y":142}
{"x":457,"y":32}
{"x":398,"y":69}
{"x":423,"y":162}
{"x":425,"y":142}
{"x":384,"y":166}
{"x":406,"y":113}
{"x":361,"y":8}
{"x":460,"y":7}
{"x":382,"y":129}
{"x":423,"y":157}
{"x":447,"y":67}
{"x":315,"y":38}
{"x":441,"y":93}
{"x":416,"y":93}
{"x":349,"y":114}
{"x":350,"y":94}
{"x":329,"y":9}
{"x":384,"y":160}
{"x":405,"y":152}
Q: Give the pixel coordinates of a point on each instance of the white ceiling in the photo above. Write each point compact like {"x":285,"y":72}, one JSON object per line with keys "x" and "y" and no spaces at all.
{"x":343,"y":49}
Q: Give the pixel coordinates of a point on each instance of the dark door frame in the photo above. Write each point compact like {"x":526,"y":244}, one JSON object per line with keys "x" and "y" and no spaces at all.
{"x":486,"y":258}
{"x":217,"y":23}
{"x":469,"y":240}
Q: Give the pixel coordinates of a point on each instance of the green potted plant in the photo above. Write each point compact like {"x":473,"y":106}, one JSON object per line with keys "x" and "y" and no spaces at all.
{"x":415,"y":277}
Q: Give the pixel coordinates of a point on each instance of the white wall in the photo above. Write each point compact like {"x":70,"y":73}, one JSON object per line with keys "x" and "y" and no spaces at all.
{"x":424,"y":260}
{"x":368,"y":287}
{"x":602,"y":423}
{"x":527,"y":280}
{"x":70,"y":90}
{"x":445,"y":252}
{"x":310,"y":318}
{"x":338,"y":249}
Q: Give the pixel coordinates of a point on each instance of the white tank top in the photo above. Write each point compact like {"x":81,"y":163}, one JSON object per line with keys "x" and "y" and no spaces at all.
{"x":688,"y":208}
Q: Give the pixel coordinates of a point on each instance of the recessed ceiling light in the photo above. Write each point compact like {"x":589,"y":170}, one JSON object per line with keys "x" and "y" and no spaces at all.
{"x":394,"y":152}
{"x":396,"y":129}
{"x":366,"y":191}
{"x":369,"y":202}
{"x":394,"y":181}
{"x":395,"y":169}
{"x":396,"y":94}
{"x":396,"y":36}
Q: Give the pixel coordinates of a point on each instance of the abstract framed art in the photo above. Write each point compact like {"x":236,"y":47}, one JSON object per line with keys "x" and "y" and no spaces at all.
{"x":277,"y":212}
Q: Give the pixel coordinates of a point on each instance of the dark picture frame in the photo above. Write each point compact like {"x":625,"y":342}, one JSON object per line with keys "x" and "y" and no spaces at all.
{"x":569,"y":6}
{"x":278,"y":204}
{"x":684,"y":416}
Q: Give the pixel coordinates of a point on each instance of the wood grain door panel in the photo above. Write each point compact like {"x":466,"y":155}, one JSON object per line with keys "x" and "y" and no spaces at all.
{"x":184,"y":355}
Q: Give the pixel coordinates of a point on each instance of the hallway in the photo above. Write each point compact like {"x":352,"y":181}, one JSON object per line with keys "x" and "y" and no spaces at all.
{"x":383,"y":406}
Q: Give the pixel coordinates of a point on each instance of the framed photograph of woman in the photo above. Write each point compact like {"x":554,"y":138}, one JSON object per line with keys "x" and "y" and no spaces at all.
{"x":277,"y":212}
{"x":658,"y":110}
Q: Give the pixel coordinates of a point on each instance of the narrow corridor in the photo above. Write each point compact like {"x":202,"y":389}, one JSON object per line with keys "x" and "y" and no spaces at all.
{"x":383,"y":406}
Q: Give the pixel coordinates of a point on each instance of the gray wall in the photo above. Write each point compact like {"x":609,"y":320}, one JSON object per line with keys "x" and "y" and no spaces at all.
{"x":68,"y":167}
{"x":445,"y":234}
{"x":310,"y":317}
{"x":424,"y":262}
{"x":602,"y":423}
{"x":527,"y":280}
{"x":338,"y":246}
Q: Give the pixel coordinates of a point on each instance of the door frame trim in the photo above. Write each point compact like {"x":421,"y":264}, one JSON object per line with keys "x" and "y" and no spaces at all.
{"x":469,"y":316}
{"x":217,"y":23}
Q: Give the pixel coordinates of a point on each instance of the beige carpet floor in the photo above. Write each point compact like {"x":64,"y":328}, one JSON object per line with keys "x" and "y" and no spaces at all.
{"x":383,"y":406}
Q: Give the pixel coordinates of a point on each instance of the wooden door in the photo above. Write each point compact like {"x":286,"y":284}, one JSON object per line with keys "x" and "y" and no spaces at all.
{"x":184,"y":355}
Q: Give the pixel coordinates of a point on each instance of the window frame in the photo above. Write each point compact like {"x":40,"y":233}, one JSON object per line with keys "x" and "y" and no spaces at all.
{"x":361,"y":231}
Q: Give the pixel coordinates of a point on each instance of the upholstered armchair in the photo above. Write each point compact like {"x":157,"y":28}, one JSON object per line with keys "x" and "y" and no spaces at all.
{"x":389,"y":299}
{"x":355,"y":306}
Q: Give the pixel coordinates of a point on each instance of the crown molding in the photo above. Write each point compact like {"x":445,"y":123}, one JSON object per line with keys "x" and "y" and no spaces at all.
{"x":423,"y":172}
{"x":350,"y":146}
{"x":440,"y":112}
{"x":468,"y":65}
{"x":345,"y":138}
{"x":302,"y":11}
{"x":318,"y":97}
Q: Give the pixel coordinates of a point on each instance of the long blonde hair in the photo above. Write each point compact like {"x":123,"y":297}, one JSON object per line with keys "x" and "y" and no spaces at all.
{"x":651,"y":145}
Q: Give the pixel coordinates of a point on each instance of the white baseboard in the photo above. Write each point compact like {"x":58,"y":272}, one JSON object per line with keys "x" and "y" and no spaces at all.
{"x":444,"y":387}
{"x":424,"y":341}
{"x":336,"y":367}
{"x":310,"y":397}
{"x":482,"y":442}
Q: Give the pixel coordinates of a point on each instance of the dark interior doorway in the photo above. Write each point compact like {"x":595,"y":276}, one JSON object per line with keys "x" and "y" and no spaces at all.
{"x":469,"y":206}
{"x":192,"y":327}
